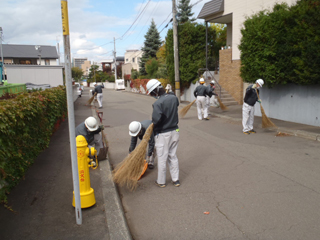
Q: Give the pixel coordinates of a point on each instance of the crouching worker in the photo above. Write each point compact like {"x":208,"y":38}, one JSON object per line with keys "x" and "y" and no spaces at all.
{"x":137,"y":130}
{"x":90,"y":129}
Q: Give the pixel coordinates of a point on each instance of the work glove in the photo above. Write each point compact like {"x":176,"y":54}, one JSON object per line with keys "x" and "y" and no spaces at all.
{"x":254,"y":86}
{"x":259,"y":101}
{"x":101,"y":127}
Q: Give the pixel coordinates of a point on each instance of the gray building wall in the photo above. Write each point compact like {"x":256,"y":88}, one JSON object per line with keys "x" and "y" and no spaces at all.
{"x":293,"y":103}
{"x":35,"y":74}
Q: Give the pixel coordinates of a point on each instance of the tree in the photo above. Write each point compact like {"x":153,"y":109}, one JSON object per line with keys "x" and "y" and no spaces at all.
{"x":76,"y":73}
{"x":184,"y":11}
{"x":152,"y":67}
{"x":221,"y":39}
{"x":151,"y":46}
{"x":192,"y":51}
{"x":92,"y":73}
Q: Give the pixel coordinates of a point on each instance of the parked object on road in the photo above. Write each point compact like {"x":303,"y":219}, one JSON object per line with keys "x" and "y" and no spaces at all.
{"x":128,"y":172}
{"x":165,"y":119}
{"x":137,"y":130}
{"x":119,"y":84}
{"x":79,"y":89}
{"x":250,"y":99}
{"x":31,"y":86}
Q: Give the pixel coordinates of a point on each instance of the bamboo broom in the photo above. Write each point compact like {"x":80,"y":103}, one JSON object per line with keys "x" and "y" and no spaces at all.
{"x":266,"y":122}
{"x":222,"y":106}
{"x":185,"y":109}
{"x":129,"y":170}
{"x":91,"y":99}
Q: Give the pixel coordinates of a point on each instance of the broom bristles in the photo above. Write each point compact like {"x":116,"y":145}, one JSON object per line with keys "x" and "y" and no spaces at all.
{"x":185,"y":109}
{"x":266,"y":122}
{"x":129,"y":170}
{"x":222,"y":106}
{"x":91,"y":99}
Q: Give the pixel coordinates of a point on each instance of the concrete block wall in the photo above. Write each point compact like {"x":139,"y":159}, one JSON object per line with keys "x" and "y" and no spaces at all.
{"x":230,"y":78}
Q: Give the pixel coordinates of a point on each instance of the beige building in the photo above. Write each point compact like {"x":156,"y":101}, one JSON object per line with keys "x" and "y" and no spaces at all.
{"x":131,"y":60}
{"x":85,"y":66}
{"x":233,"y":13}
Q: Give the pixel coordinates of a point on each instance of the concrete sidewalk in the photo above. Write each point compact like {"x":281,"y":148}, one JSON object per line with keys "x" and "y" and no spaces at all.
{"x":42,"y":201}
{"x":296,"y":129}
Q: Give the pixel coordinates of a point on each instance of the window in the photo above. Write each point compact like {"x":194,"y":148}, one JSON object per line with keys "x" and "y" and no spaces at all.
{"x":132,"y":59}
{"x":127,"y":60}
{"x":47,"y":62}
{"x":25,"y":61}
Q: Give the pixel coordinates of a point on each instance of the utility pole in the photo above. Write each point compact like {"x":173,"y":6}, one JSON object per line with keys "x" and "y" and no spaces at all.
{"x":115,"y":60}
{"x":71,"y":121}
{"x":176,"y":50}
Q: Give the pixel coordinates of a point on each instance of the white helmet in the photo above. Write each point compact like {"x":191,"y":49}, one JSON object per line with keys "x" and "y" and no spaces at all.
{"x":134,"y":128}
{"x":260,"y":82}
{"x":212,"y":82}
{"x":201,"y":80}
{"x":152,"y":84}
{"x":91,"y":123}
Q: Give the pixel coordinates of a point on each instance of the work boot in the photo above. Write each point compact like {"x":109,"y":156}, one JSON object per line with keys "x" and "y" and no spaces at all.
{"x":160,"y":185}
{"x":247,"y":133}
{"x":150,"y":166}
{"x":252,"y":131}
{"x":176,"y":183}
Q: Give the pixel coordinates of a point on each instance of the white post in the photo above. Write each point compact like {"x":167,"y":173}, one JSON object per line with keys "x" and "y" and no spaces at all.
{"x":115,"y":60}
{"x":73,"y":147}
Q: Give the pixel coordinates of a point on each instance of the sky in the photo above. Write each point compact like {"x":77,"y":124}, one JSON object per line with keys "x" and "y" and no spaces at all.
{"x":93,"y":24}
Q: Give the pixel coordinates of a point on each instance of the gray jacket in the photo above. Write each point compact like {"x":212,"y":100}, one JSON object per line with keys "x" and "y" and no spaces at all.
{"x":165,"y":114}
{"x":144,"y":125}
{"x":98,"y":89}
{"x":201,"y":90}
{"x":81,"y":129}
{"x":210,"y":91}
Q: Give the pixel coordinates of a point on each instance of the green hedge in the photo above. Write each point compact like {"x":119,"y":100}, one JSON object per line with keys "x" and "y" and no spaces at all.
{"x":282,"y":46}
{"x":26,"y":125}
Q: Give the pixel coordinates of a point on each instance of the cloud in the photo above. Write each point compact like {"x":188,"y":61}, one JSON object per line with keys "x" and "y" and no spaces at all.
{"x":93,"y":24}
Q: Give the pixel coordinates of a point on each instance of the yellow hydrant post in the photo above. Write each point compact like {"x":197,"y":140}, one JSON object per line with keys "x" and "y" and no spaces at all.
{"x":86,"y":192}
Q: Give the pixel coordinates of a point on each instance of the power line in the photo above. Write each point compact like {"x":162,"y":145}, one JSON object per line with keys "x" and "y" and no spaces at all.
{"x":135,"y":19}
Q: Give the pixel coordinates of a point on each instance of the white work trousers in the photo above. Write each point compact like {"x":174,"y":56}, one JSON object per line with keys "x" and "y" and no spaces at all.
{"x":201,"y":105}
{"x":166,"y":145}
{"x":97,"y":142}
{"x":247,"y":117}
{"x":99,"y":97}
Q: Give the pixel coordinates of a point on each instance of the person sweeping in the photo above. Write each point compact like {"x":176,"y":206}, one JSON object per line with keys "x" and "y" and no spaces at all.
{"x":200,"y":94}
{"x":137,"y":130}
{"x":211,"y":95}
{"x":250,"y":99}
{"x":165,"y":120}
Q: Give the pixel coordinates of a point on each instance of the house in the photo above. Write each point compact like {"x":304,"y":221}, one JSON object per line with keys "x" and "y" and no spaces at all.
{"x":35,"y":64}
{"x":132,"y":58}
{"x":30,"y":54}
{"x":233,"y":14}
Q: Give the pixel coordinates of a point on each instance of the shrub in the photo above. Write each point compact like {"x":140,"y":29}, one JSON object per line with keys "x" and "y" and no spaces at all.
{"x":26,"y":125}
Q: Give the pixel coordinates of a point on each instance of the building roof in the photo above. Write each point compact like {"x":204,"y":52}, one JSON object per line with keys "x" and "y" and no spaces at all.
{"x":210,"y":8}
{"x":29,"y":51}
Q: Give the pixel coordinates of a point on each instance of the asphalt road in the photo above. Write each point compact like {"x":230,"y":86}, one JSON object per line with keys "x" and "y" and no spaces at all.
{"x":253,"y":187}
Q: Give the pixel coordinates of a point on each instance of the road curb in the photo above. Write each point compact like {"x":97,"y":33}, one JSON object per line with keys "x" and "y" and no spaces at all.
{"x":116,"y":221}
